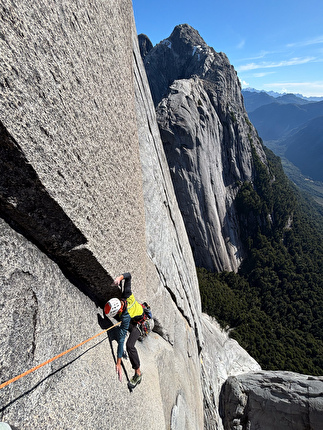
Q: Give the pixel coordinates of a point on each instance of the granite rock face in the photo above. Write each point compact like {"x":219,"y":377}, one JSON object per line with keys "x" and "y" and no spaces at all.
{"x":273,"y":400}
{"x":69,"y":224}
{"x":207,"y":139}
{"x":221,"y":357}
{"x":184,"y":54}
{"x":62,"y":106}
{"x":86,"y":194}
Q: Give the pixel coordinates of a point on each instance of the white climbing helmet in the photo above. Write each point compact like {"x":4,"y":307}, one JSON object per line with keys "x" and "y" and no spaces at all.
{"x":112,"y":307}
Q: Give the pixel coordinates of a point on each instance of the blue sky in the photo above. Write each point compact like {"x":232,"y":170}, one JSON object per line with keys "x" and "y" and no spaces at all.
{"x":273,"y":45}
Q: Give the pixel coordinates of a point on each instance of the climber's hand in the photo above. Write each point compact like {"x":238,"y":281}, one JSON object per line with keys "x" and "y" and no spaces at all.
{"x":119,"y":371}
{"x":117,"y":280}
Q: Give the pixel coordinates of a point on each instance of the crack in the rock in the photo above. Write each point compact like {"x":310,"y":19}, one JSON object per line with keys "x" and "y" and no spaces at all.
{"x":27,"y":207}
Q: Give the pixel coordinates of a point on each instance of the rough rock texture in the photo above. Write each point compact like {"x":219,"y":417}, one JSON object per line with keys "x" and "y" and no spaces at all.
{"x":207,"y":139}
{"x":273,"y":400}
{"x":81,"y":202}
{"x":221,"y":357}
{"x":43,"y":314}
{"x":64,"y":104}
{"x":70,"y":223}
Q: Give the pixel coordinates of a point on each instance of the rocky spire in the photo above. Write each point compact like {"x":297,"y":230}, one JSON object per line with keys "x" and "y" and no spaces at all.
{"x":207,"y":140}
{"x":145,"y":45}
{"x":182,"y":55}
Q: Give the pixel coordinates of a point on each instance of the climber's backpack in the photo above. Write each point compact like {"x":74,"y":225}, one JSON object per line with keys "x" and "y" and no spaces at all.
{"x":146,"y":322}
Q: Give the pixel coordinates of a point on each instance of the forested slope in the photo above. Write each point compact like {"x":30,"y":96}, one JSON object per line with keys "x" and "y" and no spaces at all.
{"x":275,"y":303}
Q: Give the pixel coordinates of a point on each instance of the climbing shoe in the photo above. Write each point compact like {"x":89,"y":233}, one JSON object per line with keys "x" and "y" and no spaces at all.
{"x":134,"y":381}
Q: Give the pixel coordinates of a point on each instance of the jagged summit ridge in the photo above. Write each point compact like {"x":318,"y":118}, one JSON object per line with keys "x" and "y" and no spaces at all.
{"x":180,"y":56}
{"x":185,"y":40}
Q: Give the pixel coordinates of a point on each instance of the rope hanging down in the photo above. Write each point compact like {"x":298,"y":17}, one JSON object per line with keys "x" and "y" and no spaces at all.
{"x":55,"y":358}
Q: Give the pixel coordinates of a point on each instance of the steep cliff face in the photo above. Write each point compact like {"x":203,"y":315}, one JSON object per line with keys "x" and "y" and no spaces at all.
{"x":184,"y":54}
{"x":59,"y":106}
{"x":171,"y":271}
{"x":69,"y":223}
{"x":207,"y":139}
{"x":208,"y":145}
{"x":173,"y":266}
{"x":85,"y":194}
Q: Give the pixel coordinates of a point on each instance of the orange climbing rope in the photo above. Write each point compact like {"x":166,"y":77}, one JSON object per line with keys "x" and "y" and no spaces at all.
{"x":55,"y":358}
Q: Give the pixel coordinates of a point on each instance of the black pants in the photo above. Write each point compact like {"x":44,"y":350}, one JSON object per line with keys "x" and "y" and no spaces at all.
{"x":132,"y":352}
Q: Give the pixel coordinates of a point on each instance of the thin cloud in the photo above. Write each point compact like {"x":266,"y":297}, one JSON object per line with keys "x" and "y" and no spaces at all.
{"x":269,"y":65}
{"x":261,"y":55}
{"x":261,"y":75}
{"x":241,"y":44}
{"x":308,"y":89}
{"x":315,"y":41}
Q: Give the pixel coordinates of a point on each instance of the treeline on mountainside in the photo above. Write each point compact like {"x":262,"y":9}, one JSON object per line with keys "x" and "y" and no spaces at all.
{"x":274,"y":305}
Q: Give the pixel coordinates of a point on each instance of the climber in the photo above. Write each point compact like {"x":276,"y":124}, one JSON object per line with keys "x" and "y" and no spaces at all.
{"x":129,"y":312}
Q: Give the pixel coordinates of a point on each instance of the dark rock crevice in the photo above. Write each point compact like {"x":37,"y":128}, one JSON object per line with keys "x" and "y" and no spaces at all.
{"x":26,"y":206}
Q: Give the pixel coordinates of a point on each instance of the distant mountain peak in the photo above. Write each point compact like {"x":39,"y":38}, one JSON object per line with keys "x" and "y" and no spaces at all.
{"x":183,"y":54}
{"x":274,"y":94}
{"x":187,"y":34}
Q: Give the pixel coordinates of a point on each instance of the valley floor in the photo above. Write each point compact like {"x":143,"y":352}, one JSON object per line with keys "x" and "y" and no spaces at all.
{"x":306,"y":184}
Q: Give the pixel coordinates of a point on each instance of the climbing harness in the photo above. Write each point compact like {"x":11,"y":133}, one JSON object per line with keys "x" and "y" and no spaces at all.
{"x":146,"y":322}
{"x":55,"y":358}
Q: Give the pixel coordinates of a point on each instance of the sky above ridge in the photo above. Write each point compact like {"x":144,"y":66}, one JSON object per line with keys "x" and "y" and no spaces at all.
{"x":274,"y":45}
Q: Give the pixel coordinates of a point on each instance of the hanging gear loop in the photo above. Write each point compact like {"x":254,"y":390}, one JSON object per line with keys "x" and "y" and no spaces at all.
{"x":55,"y":358}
